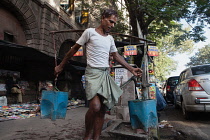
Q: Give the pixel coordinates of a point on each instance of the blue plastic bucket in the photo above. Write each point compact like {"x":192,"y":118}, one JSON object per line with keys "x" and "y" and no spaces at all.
{"x":54,"y":104}
{"x":143,"y":114}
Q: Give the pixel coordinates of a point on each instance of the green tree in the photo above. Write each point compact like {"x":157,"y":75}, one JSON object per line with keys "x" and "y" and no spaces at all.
{"x":201,"y":57}
{"x":200,"y":12}
{"x":156,"y":20}
{"x":163,"y":66}
{"x":199,"y":17}
{"x":169,"y":46}
{"x":96,"y":7}
{"x":173,"y":43}
{"x":162,"y":12}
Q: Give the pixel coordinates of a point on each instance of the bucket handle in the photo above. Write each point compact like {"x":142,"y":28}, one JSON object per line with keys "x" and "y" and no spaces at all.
{"x":55,"y":57}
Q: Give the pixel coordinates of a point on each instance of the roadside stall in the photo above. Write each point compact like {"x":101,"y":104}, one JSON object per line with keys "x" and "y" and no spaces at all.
{"x":15,"y":111}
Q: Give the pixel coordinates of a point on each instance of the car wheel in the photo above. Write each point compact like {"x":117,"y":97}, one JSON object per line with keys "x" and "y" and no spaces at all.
{"x":176,"y":105}
{"x":185,"y":113}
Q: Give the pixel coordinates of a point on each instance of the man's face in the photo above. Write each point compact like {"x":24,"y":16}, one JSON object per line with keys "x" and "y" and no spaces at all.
{"x":108,"y":23}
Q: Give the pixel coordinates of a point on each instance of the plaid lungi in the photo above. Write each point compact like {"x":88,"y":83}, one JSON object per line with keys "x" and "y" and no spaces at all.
{"x":98,"y":81}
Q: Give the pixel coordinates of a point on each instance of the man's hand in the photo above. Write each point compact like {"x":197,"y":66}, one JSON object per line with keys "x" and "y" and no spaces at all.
{"x":58,"y":70}
{"x":70,"y":53}
{"x":137,"y":72}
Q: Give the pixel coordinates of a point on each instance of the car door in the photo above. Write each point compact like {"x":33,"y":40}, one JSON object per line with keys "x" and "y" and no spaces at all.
{"x":179,"y":88}
{"x":184,"y":90}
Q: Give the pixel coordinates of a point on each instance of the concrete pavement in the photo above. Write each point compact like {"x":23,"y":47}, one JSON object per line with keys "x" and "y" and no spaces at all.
{"x":72,"y":128}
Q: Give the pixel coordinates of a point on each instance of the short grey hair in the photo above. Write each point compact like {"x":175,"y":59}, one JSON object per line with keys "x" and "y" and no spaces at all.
{"x":108,"y":12}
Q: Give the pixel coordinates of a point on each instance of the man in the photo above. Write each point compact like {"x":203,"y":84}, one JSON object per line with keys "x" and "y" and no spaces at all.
{"x":14,"y":87}
{"x":101,"y":90}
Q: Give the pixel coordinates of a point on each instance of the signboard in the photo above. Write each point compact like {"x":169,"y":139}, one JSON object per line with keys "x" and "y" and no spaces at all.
{"x":139,"y":92}
{"x":81,"y":17}
{"x":152,"y":51}
{"x":152,"y":91}
{"x":79,"y":52}
{"x":3,"y":87}
{"x":130,"y":50}
{"x":84,"y":17}
{"x":120,"y":75}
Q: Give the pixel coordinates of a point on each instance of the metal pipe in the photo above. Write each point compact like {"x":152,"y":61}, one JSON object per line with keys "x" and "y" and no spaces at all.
{"x":112,"y":33}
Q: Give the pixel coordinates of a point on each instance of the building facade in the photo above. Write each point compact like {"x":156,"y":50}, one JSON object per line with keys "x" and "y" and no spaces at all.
{"x":28,"y":46}
{"x":30,"y":22}
{"x":34,"y":32}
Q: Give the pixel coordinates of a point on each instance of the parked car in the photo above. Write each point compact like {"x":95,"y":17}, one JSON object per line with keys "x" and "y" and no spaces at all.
{"x":168,"y":88}
{"x":192,"y":92}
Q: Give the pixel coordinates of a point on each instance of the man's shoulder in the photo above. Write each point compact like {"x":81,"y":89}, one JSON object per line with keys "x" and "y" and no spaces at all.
{"x":90,"y":29}
{"x":110,"y":36}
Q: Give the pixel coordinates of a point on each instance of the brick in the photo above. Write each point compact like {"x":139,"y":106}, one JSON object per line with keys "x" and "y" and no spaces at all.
{"x":34,"y":31}
{"x":13,"y":1}
{"x":46,"y":37}
{"x":29,"y":41}
{"x":26,"y":1}
{"x":36,"y":41}
{"x":47,"y":27}
{"x":46,"y":11}
{"x":27,"y":31}
{"x":36,"y":46}
{"x":43,"y":26}
{"x":28,"y":37}
{"x":36,"y":36}
{"x":31,"y":19}
{"x":45,"y":21}
{"x":33,"y":25}
{"x":45,"y":43}
{"x":24,"y":9}
{"x":32,"y":46}
{"x":28,"y":13}
{"x":48,"y":17}
{"x":19,"y":4}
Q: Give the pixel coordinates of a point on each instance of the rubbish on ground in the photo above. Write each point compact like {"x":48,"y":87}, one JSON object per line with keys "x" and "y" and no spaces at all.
{"x":165,"y":124}
{"x":17,"y":111}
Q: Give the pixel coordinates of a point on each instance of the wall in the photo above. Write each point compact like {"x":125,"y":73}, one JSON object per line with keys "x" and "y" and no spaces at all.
{"x":36,"y":19}
{"x":31,"y":22}
{"x":53,"y":3}
{"x":13,"y":27}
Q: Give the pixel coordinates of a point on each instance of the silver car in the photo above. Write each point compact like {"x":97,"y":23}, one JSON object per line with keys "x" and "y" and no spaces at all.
{"x":192,"y":92}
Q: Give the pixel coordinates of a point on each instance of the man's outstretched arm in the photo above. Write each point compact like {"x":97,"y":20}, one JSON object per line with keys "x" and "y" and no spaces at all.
{"x":135,"y":71}
{"x":69,"y":54}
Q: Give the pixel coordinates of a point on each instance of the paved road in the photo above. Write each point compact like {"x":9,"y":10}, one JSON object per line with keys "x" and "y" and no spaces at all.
{"x":198,"y":128}
{"x":72,"y":128}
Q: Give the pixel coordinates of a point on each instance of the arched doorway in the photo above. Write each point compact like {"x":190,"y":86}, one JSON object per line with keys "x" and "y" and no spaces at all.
{"x":70,"y":79}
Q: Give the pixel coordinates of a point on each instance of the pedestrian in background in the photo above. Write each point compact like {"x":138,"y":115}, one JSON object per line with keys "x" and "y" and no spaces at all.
{"x":13,"y":86}
{"x":101,"y":90}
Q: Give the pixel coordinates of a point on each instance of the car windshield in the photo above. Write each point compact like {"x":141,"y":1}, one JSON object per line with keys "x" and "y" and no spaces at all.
{"x":201,"y":70}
